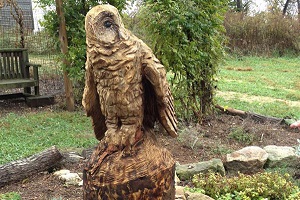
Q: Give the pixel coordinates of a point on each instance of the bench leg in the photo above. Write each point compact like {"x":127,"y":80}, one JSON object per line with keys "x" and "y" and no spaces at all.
{"x":37,"y":90}
{"x":27,"y":90}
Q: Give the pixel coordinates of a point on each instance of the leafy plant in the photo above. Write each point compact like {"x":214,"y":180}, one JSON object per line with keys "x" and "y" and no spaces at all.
{"x":187,"y":36}
{"x":253,"y":187}
{"x":240,"y":135}
{"x":10,"y":196}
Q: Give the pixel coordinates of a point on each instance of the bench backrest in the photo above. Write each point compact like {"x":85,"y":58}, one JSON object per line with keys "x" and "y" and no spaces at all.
{"x":13,"y":63}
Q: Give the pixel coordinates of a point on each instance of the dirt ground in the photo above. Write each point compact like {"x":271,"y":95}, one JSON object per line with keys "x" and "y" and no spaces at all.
{"x":214,"y":138}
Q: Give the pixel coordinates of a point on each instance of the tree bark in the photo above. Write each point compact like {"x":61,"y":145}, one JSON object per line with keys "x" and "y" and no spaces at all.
{"x":285,"y":7}
{"x":64,"y":49}
{"x":298,"y":6}
{"x":147,"y":174}
{"x":18,"y":170}
{"x":239,"y":5}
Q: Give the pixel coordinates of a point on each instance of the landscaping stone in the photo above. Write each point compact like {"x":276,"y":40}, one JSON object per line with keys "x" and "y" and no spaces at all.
{"x":187,"y":171}
{"x":196,"y":196}
{"x":68,"y":177}
{"x":179,"y":195}
{"x":248,"y":160}
{"x":281,"y":156}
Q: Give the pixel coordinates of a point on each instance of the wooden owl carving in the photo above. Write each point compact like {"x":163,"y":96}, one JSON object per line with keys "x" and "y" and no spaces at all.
{"x":126,"y":89}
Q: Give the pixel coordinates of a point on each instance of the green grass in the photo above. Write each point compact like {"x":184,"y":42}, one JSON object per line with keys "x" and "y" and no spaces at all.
{"x":10,"y":196}
{"x":269,"y":86}
{"x":22,"y":136}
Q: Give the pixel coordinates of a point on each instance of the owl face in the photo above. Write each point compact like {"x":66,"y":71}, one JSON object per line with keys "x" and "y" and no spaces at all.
{"x":103,"y":25}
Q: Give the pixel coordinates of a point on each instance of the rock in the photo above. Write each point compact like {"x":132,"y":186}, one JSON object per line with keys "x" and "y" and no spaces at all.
{"x":179,"y":194}
{"x":247,"y":160}
{"x":176,"y":179}
{"x":281,"y":156}
{"x":187,"y":171}
{"x":196,"y":196}
{"x":61,"y":172}
{"x":68,"y":177}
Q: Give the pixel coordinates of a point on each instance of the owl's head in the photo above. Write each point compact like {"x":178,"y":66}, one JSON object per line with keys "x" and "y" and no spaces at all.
{"x":104,"y":25}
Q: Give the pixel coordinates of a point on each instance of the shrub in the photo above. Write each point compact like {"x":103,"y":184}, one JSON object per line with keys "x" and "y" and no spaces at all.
{"x":268,"y":185}
{"x":266,"y":33}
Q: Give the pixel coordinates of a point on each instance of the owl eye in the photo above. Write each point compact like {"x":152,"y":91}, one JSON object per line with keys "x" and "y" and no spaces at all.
{"x":107,"y":24}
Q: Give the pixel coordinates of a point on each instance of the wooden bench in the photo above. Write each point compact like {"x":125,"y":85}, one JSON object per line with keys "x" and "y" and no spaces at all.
{"x":15,"y":71}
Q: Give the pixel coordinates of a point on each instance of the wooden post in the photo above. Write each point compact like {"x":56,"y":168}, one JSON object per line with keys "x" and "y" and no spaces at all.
{"x":64,"y":49}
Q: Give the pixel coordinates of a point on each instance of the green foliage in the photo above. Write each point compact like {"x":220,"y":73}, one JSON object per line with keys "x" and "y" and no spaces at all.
{"x":240,"y":135}
{"x":74,"y":12}
{"x":25,"y":135}
{"x":10,"y":196}
{"x":265,"y":185}
{"x":187,"y":36}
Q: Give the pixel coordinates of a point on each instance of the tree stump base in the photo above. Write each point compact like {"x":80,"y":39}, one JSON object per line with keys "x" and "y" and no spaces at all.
{"x":148,"y":174}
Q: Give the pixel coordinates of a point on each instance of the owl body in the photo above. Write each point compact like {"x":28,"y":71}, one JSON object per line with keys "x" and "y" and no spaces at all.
{"x":126,"y":88}
{"x":119,"y":85}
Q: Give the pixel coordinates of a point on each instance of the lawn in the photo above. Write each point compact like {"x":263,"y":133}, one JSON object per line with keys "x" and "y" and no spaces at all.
{"x":268,"y":86}
{"x":24,"y":135}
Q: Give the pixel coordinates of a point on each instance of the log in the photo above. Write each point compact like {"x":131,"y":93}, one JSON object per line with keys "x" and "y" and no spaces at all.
{"x":21,"y":169}
{"x":251,"y":115}
{"x":148,"y":174}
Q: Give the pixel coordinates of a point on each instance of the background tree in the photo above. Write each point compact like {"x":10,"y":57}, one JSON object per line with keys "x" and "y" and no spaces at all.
{"x":74,"y":12}
{"x":187,"y":36}
{"x":240,"y":5}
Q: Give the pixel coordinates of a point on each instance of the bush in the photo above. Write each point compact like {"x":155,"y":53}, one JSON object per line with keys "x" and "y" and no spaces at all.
{"x":267,"y":185}
{"x":266,"y":33}
{"x":188,"y":37}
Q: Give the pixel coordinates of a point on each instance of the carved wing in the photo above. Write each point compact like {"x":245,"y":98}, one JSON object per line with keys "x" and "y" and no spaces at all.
{"x":91,"y":103}
{"x":158,"y":98}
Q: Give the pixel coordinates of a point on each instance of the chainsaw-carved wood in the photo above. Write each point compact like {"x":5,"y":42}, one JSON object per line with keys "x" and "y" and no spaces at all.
{"x":126,"y":92}
{"x":126,"y":89}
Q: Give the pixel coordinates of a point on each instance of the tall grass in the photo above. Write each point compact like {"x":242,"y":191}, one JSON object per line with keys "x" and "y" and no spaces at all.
{"x":264,"y":33}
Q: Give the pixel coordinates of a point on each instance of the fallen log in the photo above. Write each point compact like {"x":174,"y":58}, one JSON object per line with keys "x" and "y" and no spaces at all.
{"x":251,"y":115}
{"x":21,"y":169}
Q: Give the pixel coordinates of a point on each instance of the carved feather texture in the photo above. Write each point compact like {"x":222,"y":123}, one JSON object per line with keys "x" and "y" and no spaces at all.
{"x":126,"y":89}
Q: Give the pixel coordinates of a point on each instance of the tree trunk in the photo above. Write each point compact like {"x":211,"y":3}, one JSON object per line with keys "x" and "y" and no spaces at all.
{"x":64,"y":49}
{"x":285,"y":7}
{"x":239,"y":5}
{"x":298,"y":6}
{"x":18,"y":170}
{"x":147,"y":174}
